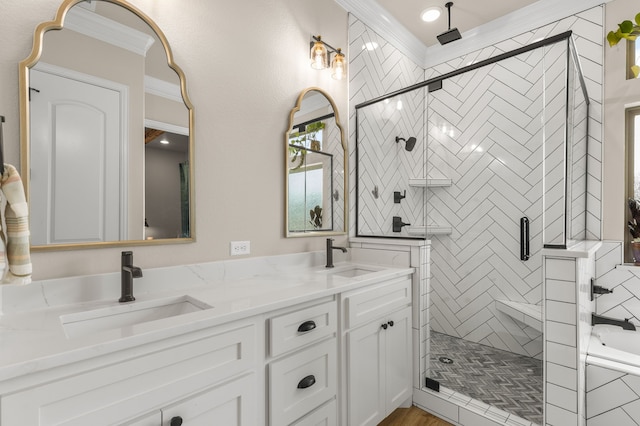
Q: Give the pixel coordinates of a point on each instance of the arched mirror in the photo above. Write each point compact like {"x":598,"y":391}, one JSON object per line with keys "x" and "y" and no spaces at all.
{"x":316,"y":168}
{"x":106,"y":131}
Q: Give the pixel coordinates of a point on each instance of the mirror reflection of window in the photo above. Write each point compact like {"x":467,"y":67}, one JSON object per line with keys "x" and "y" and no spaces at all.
{"x":310,"y":189}
{"x":309,"y":135}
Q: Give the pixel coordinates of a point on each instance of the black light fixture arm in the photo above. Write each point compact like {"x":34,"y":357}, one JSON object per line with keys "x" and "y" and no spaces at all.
{"x":327,"y":45}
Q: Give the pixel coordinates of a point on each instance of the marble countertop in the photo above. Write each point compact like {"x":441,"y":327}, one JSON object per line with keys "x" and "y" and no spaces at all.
{"x":32,"y":337}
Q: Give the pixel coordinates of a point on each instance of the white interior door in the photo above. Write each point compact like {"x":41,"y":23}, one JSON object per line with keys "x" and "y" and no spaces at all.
{"x":74,"y":201}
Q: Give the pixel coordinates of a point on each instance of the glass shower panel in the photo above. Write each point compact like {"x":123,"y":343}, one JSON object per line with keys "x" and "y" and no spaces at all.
{"x":555,"y":147}
{"x":578,"y":117}
{"x":390,"y":149}
{"x":485,"y":131}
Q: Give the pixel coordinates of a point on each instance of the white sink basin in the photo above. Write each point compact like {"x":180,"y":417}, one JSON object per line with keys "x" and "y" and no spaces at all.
{"x":355,"y":272}
{"x":351,"y":271}
{"x":89,"y":322}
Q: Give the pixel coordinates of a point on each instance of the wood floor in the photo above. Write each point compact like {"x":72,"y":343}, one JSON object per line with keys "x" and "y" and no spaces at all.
{"x":412,"y":417}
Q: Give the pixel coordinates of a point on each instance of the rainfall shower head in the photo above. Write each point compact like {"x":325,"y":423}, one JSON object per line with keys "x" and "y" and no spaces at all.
{"x":409,"y":143}
{"x":452,"y":34}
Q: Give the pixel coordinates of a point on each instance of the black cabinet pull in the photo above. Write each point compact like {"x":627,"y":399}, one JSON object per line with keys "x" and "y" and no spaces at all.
{"x":306,"y":326}
{"x":307,"y":382}
{"x":176,"y":421}
{"x":384,"y":326}
{"x":390,"y":323}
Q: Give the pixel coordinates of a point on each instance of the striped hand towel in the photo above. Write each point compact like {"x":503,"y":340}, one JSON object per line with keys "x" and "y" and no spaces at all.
{"x":16,"y":235}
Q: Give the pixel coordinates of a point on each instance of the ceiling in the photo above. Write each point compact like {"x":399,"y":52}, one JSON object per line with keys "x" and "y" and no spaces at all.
{"x":465,"y":15}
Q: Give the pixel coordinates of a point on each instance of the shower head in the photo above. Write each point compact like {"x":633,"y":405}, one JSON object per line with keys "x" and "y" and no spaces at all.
{"x":452,"y":34}
{"x":409,"y":143}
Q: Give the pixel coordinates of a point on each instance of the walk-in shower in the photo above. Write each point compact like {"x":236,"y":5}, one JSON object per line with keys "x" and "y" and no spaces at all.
{"x":499,"y":171}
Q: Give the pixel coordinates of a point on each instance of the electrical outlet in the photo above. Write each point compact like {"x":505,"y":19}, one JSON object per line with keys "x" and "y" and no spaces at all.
{"x":240,"y":247}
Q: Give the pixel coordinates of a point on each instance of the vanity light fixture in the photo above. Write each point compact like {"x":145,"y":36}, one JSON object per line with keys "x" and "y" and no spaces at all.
{"x":321,"y":53}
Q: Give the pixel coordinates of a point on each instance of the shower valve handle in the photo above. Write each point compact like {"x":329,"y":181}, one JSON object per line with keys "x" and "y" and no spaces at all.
{"x":398,"y":224}
{"x":397,"y":196}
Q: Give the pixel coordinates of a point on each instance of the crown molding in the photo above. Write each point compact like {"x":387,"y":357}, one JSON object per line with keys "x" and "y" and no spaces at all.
{"x":534,"y":16}
{"x":107,"y":30}
{"x":380,"y":20}
{"x":155,"y":86}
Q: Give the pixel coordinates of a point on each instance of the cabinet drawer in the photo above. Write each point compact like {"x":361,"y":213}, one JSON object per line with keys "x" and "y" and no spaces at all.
{"x":112,"y":393}
{"x":302,"y":382}
{"x":302,"y":327}
{"x":365,"y":305}
{"x":323,"y":416}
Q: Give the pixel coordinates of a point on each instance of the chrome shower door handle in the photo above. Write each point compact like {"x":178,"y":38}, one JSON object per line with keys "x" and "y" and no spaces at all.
{"x":524,"y":239}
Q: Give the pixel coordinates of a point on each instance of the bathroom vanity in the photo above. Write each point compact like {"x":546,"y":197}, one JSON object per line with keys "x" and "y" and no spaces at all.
{"x":298,"y":346}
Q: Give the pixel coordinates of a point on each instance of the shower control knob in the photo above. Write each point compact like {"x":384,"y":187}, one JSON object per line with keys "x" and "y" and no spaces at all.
{"x":176,"y":421}
{"x":384,"y":326}
{"x":390,"y":323}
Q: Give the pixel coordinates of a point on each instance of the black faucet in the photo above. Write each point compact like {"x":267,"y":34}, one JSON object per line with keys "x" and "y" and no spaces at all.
{"x":330,"y":249}
{"x":626,"y":325}
{"x":127,"y":273}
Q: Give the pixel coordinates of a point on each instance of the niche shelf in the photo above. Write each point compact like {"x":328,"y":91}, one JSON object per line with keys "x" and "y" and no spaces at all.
{"x":428,"y":230}
{"x":525,"y":313}
{"x":429,"y":183}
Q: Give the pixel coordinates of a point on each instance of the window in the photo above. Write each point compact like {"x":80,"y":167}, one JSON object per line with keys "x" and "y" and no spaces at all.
{"x":633,"y":150}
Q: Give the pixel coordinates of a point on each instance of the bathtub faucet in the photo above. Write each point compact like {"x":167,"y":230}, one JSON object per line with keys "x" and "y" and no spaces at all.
{"x":626,"y":325}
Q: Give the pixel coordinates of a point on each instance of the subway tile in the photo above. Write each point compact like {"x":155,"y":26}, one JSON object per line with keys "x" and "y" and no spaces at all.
{"x":561,"y":354}
{"x":561,"y":291}
{"x":557,"y":416}
{"x":469,"y":418}
{"x":561,"y":312}
{"x":560,"y":269}
{"x":562,"y":376}
{"x":562,"y":397}
{"x":561,"y":333}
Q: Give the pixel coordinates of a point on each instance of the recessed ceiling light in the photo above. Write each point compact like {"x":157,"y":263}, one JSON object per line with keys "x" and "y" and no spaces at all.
{"x":164,"y":142}
{"x":431,"y":14}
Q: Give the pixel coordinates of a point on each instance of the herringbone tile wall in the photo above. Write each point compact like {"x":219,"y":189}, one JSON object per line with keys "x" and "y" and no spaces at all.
{"x":613,"y":397}
{"x":495,"y":117}
{"x":486,"y":135}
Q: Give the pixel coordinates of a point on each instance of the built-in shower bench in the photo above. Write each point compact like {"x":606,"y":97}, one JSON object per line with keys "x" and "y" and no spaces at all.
{"x":525,"y":313}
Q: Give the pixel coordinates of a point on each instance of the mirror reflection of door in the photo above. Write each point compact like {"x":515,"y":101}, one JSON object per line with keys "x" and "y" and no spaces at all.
{"x":76,"y":190}
{"x":166,"y":184}
{"x":86,"y":152}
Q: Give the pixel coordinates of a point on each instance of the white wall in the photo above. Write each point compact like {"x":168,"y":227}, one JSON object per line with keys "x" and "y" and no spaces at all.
{"x":245,"y":63}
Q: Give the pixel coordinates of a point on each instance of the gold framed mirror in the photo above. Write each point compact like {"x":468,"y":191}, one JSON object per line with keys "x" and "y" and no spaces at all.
{"x":106,"y":129}
{"x":316,"y":161}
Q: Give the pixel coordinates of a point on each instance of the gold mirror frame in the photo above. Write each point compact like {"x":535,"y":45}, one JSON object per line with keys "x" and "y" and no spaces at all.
{"x":33,"y":58}
{"x":345,"y":195}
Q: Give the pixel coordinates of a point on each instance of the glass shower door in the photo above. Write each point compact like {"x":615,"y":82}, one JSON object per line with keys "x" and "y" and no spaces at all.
{"x":485,"y":134}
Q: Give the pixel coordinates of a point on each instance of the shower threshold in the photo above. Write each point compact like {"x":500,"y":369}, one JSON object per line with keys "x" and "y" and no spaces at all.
{"x":461,"y":409}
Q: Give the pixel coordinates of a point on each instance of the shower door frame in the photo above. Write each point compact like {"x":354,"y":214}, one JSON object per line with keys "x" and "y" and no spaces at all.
{"x":436,"y":82}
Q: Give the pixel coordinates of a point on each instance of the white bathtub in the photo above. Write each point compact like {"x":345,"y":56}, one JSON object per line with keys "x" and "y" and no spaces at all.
{"x":613,"y":376}
{"x":613,"y":344}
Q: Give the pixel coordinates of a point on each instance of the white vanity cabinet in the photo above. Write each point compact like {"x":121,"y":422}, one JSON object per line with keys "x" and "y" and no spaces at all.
{"x":377,"y":333}
{"x":203,"y":376}
{"x":302,"y":365}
